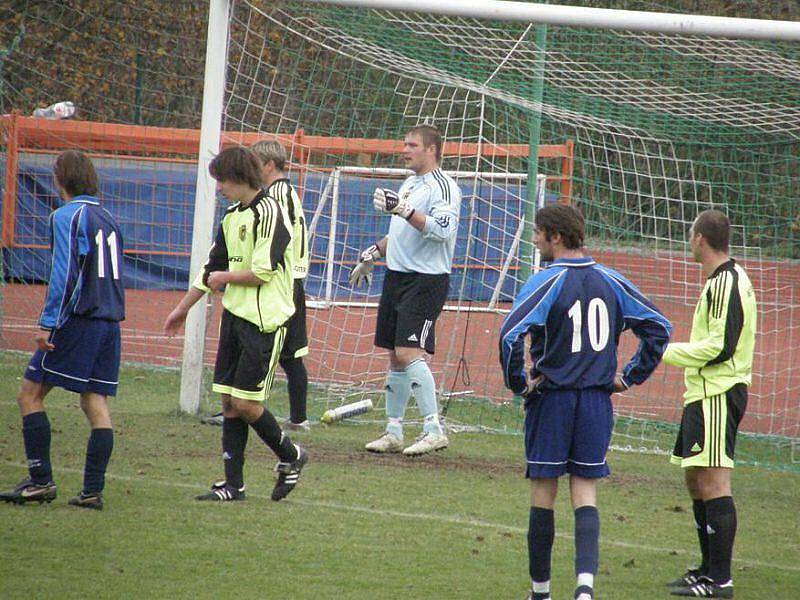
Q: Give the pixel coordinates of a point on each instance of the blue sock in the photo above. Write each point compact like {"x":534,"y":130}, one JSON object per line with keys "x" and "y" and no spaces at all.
{"x":98,"y":453}
{"x":587,"y":540}
{"x":398,"y":391}
{"x":424,"y":388}
{"x":541,"y":533}
{"x":36,"y":434}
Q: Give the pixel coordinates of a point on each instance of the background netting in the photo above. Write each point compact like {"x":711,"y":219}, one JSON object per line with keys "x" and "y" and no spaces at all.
{"x":663,"y":126}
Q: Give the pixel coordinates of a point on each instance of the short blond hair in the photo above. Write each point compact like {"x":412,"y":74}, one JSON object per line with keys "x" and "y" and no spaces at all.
{"x":271,"y":150}
{"x":431,"y":136}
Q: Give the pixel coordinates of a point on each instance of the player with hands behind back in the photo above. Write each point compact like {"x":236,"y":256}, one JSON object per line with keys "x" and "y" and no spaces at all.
{"x":574,"y":311}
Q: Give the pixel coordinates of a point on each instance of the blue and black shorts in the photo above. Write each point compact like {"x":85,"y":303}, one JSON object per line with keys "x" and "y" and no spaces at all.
{"x":568,"y":431}
{"x":85,"y":358}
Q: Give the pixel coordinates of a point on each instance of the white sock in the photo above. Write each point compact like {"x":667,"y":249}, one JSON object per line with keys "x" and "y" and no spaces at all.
{"x":395,"y":427}
{"x":541,"y":587}
{"x":398,"y":391}
{"x":586,"y":579}
{"x":424,"y":389}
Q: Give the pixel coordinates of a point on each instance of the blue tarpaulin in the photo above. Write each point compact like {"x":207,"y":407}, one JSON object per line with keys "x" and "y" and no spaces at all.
{"x":153,"y":202}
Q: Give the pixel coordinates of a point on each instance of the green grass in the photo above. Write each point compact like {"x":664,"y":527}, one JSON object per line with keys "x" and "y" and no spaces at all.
{"x":359,"y":526}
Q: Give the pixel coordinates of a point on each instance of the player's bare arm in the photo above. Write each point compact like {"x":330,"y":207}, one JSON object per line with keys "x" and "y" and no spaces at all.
{"x":176,"y":318}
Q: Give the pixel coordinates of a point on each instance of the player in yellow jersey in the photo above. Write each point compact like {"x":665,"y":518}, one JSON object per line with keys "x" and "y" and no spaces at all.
{"x":277,"y":185}
{"x":718,"y":362}
{"x":251,"y":257}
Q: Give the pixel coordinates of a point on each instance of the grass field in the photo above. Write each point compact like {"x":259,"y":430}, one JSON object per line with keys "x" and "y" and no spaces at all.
{"x":452,"y":525}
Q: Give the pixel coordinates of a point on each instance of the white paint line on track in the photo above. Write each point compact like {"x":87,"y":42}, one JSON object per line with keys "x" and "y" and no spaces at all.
{"x":439,"y":518}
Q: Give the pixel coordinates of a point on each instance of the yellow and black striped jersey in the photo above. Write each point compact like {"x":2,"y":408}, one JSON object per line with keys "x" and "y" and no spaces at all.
{"x":255,"y":237}
{"x":284,"y":193}
{"x":719,"y":353}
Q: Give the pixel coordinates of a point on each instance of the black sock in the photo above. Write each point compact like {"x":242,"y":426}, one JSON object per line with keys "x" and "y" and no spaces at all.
{"x":699,"y":508}
{"x":98,"y":453}
{"x":36,"y":434}
{"x":587,"y":539}
{"x":721,"y":518}
{"x":297,"y":383}
{"x":541,"y":533}
{"x":270,"y":432}
{"x":234,"y":441}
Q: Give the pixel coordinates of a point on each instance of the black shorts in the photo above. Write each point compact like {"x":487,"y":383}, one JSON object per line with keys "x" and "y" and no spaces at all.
{"x":296,"y":343}
{"x":707,"y":435}
{"x":410,"y":304}
{"x":246,"y":358}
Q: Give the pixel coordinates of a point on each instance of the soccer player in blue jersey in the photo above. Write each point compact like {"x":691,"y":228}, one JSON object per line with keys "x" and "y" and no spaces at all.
{"x":574,"y":312}
{"x":419,"y":256}
{"x":78,"y":345}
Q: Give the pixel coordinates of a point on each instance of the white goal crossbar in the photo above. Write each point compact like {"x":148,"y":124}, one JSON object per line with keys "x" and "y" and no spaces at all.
{"x":582,"y":16}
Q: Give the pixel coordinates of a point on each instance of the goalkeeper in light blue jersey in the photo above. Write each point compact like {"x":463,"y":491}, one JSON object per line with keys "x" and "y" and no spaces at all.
{"x":419,"y":256}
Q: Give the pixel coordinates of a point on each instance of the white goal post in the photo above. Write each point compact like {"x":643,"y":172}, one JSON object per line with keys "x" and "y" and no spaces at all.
{"x":194,"y":342}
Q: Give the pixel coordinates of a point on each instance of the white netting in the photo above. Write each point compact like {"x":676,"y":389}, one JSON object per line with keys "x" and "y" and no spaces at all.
{"x":657,"y":122}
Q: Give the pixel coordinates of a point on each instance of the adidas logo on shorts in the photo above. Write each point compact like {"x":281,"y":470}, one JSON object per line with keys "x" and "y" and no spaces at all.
{"x":413,"y":338}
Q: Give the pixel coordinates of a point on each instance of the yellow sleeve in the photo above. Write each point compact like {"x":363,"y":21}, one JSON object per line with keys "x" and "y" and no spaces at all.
{"x":272,"y":240}
{"x":711,"y":342}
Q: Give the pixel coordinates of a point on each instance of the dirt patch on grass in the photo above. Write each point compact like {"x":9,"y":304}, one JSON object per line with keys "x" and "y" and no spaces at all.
{"x":443,"y":460}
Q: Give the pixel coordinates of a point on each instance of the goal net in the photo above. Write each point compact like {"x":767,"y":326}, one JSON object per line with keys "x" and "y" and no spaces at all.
{"x":641,"y":131}
{"x":663,"y":126}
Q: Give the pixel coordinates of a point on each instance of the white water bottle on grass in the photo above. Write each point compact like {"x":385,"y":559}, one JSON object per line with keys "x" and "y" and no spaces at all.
{"x":59,"y":110}
{"x":347,"y":411}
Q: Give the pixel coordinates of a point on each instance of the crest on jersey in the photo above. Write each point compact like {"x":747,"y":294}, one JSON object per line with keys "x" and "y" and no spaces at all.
{"x":242,"y":232}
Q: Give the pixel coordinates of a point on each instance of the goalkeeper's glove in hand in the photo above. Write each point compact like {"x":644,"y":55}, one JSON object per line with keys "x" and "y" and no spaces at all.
{"x":363,"y":270}
{"x":387,"y":201}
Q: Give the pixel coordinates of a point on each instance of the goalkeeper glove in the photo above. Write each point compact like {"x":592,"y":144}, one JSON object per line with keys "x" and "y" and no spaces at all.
{"x":386,"y":201}
{"x":363,"y":269}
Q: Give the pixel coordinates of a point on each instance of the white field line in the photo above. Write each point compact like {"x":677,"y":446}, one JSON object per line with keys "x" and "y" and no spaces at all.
{"x":396,"y":514}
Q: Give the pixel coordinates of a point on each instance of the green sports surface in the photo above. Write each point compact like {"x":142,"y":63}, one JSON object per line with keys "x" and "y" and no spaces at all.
{"x":358,"y":526}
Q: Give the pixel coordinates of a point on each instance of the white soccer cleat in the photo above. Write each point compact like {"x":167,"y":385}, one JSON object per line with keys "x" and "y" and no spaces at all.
{"x":427,"y":442}
{"x":388,"y":442}
{"x":290,"y":425}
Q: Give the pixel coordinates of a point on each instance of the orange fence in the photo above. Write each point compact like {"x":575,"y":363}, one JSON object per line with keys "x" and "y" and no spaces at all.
{"x":28,"y":134}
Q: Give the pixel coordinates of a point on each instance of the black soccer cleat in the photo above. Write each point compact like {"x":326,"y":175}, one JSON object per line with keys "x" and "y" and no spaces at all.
{"x":222,"y":492}
{"x":27,"y":491}
{"x":584,"y":592}
{"x":93,"y":500}
{"x":690,"y":577}
{"x":289,"y":475}
{"x":704,"y":588}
